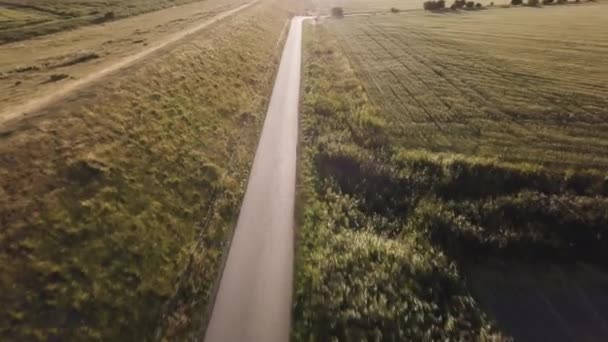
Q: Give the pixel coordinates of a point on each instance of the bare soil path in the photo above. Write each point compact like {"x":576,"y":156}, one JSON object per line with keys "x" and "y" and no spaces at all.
{"x":24,"y":101}
{"x":253,"y":302}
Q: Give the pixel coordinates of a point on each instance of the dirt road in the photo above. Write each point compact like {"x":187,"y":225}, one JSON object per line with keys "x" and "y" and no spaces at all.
{"x":37,"y":103}
{"x":253,"y":302}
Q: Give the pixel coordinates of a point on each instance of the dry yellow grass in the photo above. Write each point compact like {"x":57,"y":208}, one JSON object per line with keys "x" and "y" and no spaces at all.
{"x":26,"y":66}
{"x":24,"y":19}
{"x":516,"y":84}
{"x":366,"y":6}
{"x":116,"y":204}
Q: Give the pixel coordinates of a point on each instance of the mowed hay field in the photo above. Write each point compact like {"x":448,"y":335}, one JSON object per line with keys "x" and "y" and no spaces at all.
{"x":453,"y":181}
{"x":34,"y":68}
{"x":521,"y":85}
{"x":366,"y":6}
{"x":23,"y":19}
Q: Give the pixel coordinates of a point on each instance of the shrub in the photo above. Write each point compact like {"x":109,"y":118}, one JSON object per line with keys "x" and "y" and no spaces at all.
{"x":546,"y":2}
{"x":453,"y":7}
{"x":470,"y":4}
{"x":394,"y":10}
{"x":491,"y":4}
{"x":459,"y":3}
{"x":533,"y":3}
{"x":434,"y":5}
{"x":337,"y":12}
{"x":57,"y":77}
{"x":478,"y":5}
{"x":516,"y":2}
{"x":108,"y":16}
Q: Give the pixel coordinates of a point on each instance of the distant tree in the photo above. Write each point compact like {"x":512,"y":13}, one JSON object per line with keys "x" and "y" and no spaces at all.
{"x":434,"y":5}
{"x":533,"y":3}
{"x":459,"y":3}
{"x":470,"y":4}
{"x":516,"y":2}
{"x":337,"y":12}
{"x":394,"y":10}
{"x":478,"y":5}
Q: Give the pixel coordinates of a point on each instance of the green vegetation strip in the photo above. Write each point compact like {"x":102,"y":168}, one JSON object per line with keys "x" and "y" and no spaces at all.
{"x":387,"y":233}
{"x":116,"y":205}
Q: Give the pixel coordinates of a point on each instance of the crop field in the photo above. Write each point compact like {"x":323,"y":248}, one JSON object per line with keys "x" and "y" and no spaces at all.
{"x":25,"y":19}
{"x":366,"y":6}
{"x":515,"y":84}
{"x":453,"y":182}
{"x":28,"y":67}
{"x":379,"y":6}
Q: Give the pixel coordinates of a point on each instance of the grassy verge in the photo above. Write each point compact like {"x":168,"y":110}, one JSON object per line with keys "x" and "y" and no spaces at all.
{"x":116,"y":204}
{"x":387,"y":233}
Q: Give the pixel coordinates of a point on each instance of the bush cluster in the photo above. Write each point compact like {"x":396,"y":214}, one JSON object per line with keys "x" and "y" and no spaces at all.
{"x":337,"y":12}
{"x":434,"y":5}
{"x":458,"y":4}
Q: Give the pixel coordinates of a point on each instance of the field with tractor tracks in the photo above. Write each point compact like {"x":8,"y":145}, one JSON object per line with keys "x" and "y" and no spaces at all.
{"x":516,"y":84}
{"x":24,"y":19}
{"x":453,"y":179}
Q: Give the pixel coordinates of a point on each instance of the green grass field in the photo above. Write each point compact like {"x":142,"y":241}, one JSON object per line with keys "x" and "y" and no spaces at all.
{"x":116,"y":204}
{"x":26,"y":19}
{"x":514,"y":84}
{"x":453,"y":178}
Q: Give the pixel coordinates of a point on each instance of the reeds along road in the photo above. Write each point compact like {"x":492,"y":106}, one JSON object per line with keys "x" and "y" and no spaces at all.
{"x":253,"y":302}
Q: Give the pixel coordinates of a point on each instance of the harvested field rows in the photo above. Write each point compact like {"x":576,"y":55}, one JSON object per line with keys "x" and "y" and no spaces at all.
{"x":24,"y":19}
{"x":525,"y":89}
{"x":454,"y":180}
{"x":366,"y":6}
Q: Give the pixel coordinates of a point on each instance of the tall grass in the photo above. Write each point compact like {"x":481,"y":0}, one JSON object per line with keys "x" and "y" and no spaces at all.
{"x":117,"y":203}
{"x":386,"y":230}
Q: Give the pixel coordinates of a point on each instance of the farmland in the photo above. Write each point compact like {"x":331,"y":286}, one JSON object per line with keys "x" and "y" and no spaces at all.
{"x":29,"y":68}
{"x":453,"y":181}
{"x":116,"y":203}
{"x":26,"y":19}
{"x":486,"y":85}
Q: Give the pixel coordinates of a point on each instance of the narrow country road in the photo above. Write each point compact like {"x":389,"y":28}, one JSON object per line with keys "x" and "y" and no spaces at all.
{"x":253,"y":301}
{"x":40,"y":103}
